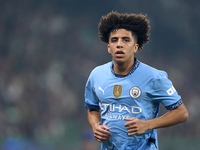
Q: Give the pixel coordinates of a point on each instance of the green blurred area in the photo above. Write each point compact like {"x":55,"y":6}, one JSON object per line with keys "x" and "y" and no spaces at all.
{"x":48,"y":49}
{"x":179,"y":143}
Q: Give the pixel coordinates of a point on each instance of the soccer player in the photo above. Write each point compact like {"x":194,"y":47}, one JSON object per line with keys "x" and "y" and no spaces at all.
{"x":123,"y":96}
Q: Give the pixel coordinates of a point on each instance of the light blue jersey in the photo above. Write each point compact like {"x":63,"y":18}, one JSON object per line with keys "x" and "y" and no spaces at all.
{"x":137,"y":94}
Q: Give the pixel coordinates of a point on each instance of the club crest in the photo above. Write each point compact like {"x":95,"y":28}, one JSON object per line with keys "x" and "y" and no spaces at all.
{"x":135,"y":92}
{"x":117,"y":91}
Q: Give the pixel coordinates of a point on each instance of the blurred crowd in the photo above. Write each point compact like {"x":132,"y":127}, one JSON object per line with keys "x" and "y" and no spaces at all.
{"x":47,"y":50}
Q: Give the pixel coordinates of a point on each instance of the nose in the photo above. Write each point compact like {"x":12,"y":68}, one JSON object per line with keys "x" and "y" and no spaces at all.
{"x":119,"y":44}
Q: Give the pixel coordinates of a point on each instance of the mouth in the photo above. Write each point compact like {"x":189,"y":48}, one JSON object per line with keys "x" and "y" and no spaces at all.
{"x":119,"y":54}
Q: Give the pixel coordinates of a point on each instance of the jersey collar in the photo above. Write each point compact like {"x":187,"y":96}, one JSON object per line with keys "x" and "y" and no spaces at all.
{"x":137,"y":62}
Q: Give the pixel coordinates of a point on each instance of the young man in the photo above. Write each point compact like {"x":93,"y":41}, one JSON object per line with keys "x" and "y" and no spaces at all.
{"x":123,"y":96}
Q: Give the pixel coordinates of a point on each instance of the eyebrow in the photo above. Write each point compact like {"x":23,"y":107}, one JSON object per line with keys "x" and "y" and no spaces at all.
{"x":124,"y":37}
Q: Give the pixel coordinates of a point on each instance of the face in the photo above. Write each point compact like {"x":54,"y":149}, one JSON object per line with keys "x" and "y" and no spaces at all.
{"x":122,"y":46}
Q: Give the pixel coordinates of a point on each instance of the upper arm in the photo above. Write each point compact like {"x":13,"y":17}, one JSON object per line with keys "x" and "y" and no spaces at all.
{"x":91,"y":99}
{"x":94,"y":116}
{"x":181,"y":113}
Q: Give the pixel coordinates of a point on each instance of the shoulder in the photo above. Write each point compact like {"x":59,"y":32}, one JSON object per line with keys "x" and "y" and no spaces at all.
{"x":101,"y":68}
{"x":156,"y":78}
{"x":151,"y":71}
{"x":100,"y":71}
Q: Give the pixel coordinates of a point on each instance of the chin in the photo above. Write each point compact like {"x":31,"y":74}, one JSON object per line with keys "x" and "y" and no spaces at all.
{"x":119,"y":62}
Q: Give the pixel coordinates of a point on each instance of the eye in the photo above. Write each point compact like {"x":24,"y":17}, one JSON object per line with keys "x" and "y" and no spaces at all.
{"x":113,"y":40}
{"x":126,"y":40}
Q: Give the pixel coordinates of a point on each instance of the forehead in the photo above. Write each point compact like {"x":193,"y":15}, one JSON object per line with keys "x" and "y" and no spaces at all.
{"x":121,"y":33}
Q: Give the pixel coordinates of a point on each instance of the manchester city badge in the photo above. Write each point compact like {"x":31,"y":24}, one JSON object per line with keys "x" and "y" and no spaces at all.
{"x":135,"y":92}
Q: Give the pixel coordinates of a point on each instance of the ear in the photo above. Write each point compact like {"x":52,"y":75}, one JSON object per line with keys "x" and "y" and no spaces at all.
{"x":109,"y":49}
{"x":136,"y":48}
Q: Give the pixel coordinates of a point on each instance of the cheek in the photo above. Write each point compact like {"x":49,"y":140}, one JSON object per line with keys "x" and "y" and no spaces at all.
{"x":110,"y":49}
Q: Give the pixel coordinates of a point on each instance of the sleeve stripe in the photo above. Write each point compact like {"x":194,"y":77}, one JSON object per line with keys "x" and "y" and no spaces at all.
{"x":91,"y":107}
{"x":175,"y":105}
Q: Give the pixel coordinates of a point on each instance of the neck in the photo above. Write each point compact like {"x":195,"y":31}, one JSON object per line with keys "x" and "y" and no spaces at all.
{"x":123,"y":68}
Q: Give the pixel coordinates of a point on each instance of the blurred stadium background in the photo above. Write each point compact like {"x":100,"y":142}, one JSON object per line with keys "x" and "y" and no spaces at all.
{"x":49,"y":47}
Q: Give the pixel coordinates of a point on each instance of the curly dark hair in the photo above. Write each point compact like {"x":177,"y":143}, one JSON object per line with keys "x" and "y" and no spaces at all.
{"x":136,"y":23}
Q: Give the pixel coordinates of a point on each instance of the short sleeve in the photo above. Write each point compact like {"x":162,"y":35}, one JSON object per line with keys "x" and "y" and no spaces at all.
{"x":91,"y":100}
{"x":165,"y":93}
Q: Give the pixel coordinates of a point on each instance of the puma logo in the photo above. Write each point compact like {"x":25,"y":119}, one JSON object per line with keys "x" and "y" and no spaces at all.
{"x":102,"y":90}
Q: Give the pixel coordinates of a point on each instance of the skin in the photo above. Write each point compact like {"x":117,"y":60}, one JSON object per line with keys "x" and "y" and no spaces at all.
{"x":122,"y":47}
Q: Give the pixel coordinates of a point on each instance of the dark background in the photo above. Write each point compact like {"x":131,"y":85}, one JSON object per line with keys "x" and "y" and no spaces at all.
{"x":48,"y":49}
